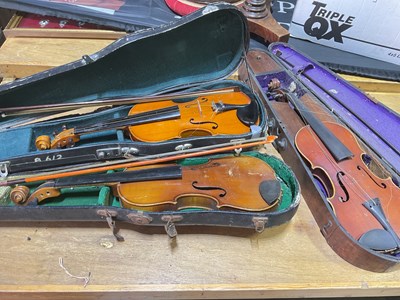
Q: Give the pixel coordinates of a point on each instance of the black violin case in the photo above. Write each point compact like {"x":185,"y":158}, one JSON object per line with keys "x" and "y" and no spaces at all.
{"x":283,"y":121}
{"x":196,"y":53}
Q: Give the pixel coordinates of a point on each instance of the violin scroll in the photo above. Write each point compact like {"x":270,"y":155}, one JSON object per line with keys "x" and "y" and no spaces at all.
{"x":65,"y":139}
{"x":19,"y":194}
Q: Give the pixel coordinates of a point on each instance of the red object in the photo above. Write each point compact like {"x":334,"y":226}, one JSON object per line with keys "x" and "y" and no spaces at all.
{"x":181,"y":8}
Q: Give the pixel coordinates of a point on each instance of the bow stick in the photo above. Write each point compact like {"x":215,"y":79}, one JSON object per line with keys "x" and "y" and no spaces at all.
{"x":33,"y":109}
{"x":146,"y":161}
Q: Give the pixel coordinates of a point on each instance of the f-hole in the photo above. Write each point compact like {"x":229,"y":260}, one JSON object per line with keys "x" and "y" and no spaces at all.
{"x":339,"y":176}
{"x":215,"y":125}
{"x":209,"y":188}
{"x":380,"y":184}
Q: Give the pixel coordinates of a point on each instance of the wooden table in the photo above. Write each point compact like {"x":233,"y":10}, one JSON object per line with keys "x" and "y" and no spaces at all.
{"x":292,"y":260}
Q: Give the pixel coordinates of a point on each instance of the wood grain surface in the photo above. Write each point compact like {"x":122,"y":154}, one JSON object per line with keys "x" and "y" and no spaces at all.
{"x":292,"y":260}
{"x":20,"y":57}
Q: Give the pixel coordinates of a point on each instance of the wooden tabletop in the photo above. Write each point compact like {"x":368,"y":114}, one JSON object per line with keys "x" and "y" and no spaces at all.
{"x":292,"y":260}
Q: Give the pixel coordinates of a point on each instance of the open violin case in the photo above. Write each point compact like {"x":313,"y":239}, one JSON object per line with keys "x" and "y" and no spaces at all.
{"x":192,"y":56}
{"x":298,"y":95}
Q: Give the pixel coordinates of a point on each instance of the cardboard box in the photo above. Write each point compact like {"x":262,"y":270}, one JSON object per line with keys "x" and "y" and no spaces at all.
{"x":366,"y":27}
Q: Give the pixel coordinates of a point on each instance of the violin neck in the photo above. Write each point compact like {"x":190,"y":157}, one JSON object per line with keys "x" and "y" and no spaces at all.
{"x":338,"y":150}
{"x":162,"y":173}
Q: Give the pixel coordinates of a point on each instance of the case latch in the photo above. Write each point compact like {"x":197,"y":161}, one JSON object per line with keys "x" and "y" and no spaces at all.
{"x":183,"y":147}
{"x":170,"y":228}
{"x":259,"y":223}
{"x":116,"y":152}
{"x":109,"y":215}
{"x":4,"y":166}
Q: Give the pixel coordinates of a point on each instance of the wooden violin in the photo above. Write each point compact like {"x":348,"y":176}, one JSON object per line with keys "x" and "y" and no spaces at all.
{"x":366,"y":206}
{"x":239,"y":183}
{"x":231,"y":113}
{"x":68,"y":137}
{"x":225,"y":113}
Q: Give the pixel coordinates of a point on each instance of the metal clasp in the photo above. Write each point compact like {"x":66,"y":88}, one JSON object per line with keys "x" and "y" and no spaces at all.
{"x":259,"y":223}
{"x":109,"y":215}
{"x":183,"y":147}
{"x":4,"y":166}
{"x":170,"y":228}
{"x":116,"y":152}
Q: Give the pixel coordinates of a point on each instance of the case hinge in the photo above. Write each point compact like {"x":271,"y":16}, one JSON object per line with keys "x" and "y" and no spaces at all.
{"x":170,"y":228}
{"x":326,"y":230}
{"x":139,"y":218}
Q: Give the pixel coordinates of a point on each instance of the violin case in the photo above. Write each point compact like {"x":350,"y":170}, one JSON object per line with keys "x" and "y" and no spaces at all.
{"x":283,"y":64}
{"x":377,"y":130}
{"x":195,"y":53}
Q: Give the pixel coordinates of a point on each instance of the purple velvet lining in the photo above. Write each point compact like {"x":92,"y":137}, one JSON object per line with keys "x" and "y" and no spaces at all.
{"x":376,"y":124}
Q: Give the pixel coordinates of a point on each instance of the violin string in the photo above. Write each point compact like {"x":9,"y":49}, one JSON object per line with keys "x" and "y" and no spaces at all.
{"x":202,"y":106}
{"x":323,"y":148}
{"x":353,"y":180}
{"x":350,"y":178}
{"x":331,"y":160}
{"x":322,"y":112}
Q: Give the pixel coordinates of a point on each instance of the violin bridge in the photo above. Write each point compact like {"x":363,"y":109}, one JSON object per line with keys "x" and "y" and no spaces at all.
{"x":199,"y":107}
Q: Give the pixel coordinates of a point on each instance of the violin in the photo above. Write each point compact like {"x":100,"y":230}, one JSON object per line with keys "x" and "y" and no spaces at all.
{"x":238,"y":183}
{"x":231,"y":113}
{"x":366,"y":205}
{"x":68,"y":137}
{"x":229,"y":183}
{"x":212,"y":114}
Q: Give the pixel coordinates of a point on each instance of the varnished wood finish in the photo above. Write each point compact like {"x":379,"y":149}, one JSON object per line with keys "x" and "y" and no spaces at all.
{"x":292,"y":260}
{"x":334,"y":234}
{"x":197,"y":118}
{"x":221,"y":183}
{"x":259,"y":62}
{"x":269,"y":29}
{"x":201,"y":263}
{"x":349,"y":183}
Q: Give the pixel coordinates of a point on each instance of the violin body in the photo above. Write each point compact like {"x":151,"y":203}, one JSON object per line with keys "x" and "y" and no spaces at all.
{"x":231,"y":183}
{"x":213,"y":114}
{"x":349,"y":183}
{"x":198,"y":118}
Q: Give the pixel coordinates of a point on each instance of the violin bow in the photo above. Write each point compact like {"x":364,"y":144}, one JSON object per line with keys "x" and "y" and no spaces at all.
{"x":146,"y":160}
{"x":33,"y":109}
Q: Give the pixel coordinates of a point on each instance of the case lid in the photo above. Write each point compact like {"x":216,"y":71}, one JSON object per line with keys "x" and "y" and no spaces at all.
{"x":202,"y":47}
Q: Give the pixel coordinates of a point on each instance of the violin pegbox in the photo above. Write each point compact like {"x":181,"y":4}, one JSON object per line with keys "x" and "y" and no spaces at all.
{"x":65,"y":139}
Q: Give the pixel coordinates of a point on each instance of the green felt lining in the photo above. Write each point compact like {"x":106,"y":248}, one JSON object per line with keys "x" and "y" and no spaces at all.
{"x":102,"y":195}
